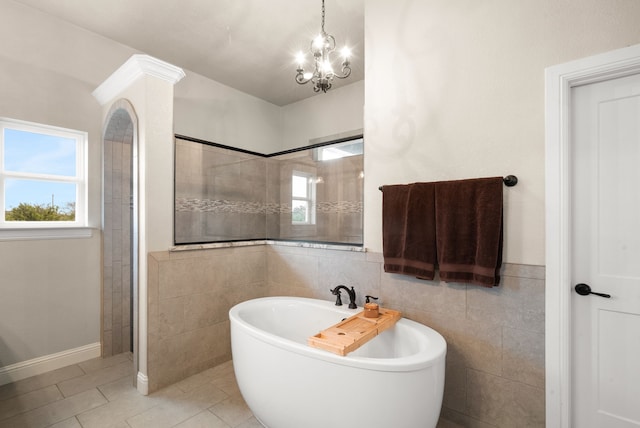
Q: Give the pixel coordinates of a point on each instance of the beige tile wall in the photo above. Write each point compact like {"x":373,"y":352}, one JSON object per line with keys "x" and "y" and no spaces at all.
{"x":189,"y":297}
{"x":495,"y":337}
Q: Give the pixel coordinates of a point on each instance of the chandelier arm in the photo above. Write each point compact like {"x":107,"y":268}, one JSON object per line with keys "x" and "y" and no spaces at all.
{"x":331,"y":43}
{"x":301,"y":79}
{"x":346,"y":72}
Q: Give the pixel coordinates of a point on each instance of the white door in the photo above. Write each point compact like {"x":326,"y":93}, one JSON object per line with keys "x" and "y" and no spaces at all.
{"x":605,"y":217}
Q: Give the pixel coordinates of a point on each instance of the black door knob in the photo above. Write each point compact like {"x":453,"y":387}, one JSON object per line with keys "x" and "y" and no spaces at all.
{"x":585,"y":290}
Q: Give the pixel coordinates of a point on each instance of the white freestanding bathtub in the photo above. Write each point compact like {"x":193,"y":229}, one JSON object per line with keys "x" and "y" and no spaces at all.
{"x":396,"y":380}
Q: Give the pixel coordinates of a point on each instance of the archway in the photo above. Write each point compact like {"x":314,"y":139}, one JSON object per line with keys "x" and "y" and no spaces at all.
{"x":120,"y":232}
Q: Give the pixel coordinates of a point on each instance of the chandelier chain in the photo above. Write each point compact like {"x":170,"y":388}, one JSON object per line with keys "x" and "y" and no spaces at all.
{"x":323,"y":17}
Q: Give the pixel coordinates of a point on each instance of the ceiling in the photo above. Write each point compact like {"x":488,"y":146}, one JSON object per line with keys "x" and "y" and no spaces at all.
{"x":249,"y":45}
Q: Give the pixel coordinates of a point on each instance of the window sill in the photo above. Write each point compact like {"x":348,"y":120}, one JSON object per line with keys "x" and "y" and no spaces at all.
{"x":45,"y":233}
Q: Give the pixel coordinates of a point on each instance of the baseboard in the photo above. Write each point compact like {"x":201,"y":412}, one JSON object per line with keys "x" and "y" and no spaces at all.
{"x":36,"y":366}
{"x":143,"y":383}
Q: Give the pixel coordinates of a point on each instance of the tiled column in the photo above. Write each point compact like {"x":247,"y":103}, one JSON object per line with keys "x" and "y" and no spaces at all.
{"x":117,"y":210}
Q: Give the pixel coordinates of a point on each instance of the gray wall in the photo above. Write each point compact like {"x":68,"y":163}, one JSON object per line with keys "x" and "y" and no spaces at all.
{"x":51,"y":288}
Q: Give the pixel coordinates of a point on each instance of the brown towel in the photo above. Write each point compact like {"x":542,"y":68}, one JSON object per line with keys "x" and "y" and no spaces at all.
{"x":408,"y":229}
{"x":469,"y":230}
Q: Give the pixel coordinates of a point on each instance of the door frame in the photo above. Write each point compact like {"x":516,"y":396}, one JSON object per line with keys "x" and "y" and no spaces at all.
{"x":559,"y":81}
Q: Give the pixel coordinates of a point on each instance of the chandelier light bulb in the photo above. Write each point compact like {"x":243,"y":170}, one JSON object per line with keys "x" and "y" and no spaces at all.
{"x":300,"y":59}
{"x":346,"y":52}
{"x":327,"y":68}
{"x":318,"y":42}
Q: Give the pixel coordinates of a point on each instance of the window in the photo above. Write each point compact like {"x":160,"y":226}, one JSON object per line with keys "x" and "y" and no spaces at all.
{"x":302,"y":198}
{"x":42,"y":176}
{"x":340,"y":150}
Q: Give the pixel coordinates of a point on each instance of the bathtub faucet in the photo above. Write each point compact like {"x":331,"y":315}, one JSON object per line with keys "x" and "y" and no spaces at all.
{"x":352,"y":296}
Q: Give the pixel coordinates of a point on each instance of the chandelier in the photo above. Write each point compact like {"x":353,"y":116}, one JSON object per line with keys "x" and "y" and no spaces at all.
{"x":321,"y":48}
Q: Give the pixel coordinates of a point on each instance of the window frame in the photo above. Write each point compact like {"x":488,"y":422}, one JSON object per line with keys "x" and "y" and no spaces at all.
{"x":310,"y":199}
{"x":11,"y":229}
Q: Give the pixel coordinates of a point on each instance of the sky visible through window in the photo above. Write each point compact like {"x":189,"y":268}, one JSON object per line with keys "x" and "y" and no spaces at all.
{"x":33,"y":153}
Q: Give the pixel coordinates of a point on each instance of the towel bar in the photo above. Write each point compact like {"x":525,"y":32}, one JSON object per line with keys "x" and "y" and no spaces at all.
{"x":509,"y":181}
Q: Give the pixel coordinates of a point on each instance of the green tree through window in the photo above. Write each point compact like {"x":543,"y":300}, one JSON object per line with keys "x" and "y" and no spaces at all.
{"x":35,"y":212}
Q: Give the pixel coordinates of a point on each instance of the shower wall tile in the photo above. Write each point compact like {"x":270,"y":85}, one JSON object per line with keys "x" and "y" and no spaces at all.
{"x":126,"y":337}
{"x":523,"y":356}
{"x":207,"y":345}
{"x":488,"y":397}
{"x":292,"y":267}
{"x":107,"y":299}
{"x":116,"y":153}
{"x":174,"y":276}
{"x":125,"y":238}
{"x":504,"y":403}
{"x":116,"y":271}
{"x":107,"y":155}
{"x":517,"y":302}
{"x":250,"y":265}
{"x":107,"y":343}
{"x":107,"y":182}
{"x":116,"y":184}
{"x":107,"y":240}
{"x":166,"y":360}
{"x":116,"y":243}
{"x":116,"y":333}
{"x":350,"y":269}
{"x":203,"y":310}
{"x":126,"y":295}
{"x":462,"y":420}
{"x":171,"y":317}
{"x":455,"y":388}
{"x":524,"y":271}
{"x":116,"y":213}
{"x":471,"y":344}
{"x":434,"y":296}
{"x":153,"y":294}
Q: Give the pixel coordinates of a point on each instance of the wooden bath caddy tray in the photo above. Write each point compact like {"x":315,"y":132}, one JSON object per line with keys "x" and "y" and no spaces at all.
{"x":350,"y":334}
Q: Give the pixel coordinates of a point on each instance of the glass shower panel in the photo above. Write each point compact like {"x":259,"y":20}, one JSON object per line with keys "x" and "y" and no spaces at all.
{"x":224,"y":194}
{"x":220,"y":194}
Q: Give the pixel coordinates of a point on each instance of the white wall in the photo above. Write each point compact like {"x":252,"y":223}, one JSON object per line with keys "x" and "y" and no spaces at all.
{"x":211,"y":111}
{"x":338,"y":111}
{"x":455,"y":90}
{"x":50,"y":289}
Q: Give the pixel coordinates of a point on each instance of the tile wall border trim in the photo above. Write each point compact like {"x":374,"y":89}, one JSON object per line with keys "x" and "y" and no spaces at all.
{"x":195,"y":247}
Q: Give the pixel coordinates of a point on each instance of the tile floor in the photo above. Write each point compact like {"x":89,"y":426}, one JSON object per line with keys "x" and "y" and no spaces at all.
{"x":99,"y":393}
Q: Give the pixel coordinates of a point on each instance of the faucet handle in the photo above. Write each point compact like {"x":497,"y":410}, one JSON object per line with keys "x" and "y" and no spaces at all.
{"x":370,"y":297}
{"x":337,"y":293}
